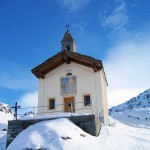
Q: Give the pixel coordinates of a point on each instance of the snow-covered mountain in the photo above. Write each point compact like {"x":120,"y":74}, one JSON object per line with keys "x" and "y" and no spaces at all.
{"x":5,"y":108}
{"x":141,"y":101}
{"x":5,"y":114}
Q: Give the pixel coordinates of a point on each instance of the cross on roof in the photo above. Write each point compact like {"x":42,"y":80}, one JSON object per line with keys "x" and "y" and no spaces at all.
{"x":67,"y":26}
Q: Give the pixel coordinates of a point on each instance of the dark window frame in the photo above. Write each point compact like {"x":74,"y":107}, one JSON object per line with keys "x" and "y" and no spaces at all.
{"x":87,"y":100}
{"x":51,"y":103}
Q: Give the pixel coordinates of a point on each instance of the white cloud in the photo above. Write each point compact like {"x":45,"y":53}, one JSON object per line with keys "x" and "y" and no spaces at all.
{"x":115,"y":17}
{"x":28,"y":100}
{"x":127,"y":69}
{"x":73,"y":5}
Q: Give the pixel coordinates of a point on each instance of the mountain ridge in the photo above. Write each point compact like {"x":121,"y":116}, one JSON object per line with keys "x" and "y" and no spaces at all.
{"x":141,"y":101}
{"x":5,"y":108}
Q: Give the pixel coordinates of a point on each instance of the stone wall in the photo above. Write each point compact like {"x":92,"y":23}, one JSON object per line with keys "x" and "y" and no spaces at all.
{"x":88,"y":123}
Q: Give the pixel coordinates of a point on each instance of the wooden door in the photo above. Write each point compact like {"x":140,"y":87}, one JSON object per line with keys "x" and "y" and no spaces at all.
{"x":69,"y":104}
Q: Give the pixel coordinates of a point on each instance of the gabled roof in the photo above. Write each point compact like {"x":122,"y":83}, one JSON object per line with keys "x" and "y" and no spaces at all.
{"x":66,"y":56}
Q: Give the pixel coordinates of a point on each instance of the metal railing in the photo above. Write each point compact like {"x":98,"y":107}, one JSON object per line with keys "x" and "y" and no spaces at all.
{"x":75,"y":107}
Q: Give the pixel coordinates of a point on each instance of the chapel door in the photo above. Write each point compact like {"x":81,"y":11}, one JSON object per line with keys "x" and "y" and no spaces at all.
{"x":69,"y":105}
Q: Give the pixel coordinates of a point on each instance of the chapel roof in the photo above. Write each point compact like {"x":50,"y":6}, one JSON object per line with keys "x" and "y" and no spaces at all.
{"x":67,"y":37}
{"x":66,"y":56}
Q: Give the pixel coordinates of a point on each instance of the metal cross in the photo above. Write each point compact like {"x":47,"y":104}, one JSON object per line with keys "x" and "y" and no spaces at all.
{"x":16,"y":107}
{"x":67,"y":26}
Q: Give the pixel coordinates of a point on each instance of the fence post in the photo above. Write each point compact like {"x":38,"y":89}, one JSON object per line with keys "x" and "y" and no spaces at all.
{"x":91,"y":107}
{"x":100,"y":114}
{"x":33,"y":111}
{"x":71,"y":108}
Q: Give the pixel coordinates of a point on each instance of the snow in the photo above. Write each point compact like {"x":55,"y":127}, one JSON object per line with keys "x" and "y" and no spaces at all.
{"x":56,"y":134}
{"x":4,"y":119}
{"x":5,"y":115}
{"x":141,"y":101}
{"x":62,"y":134}
{"x":128,"y":130}
{"x":124,"y":137}
{"x":3,"y":137}
{"x":137,"y":117}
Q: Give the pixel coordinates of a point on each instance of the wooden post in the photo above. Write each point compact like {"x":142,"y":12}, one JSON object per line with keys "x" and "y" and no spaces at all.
{"x":16,"y":108}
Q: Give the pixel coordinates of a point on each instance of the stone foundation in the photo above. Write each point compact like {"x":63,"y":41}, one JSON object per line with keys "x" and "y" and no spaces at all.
{"x":87,"y":123}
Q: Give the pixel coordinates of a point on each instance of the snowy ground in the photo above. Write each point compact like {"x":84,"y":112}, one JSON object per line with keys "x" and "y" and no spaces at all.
{"x":124,"y":137}
{"x":62,"y":134}
{"x":137,"y":117}
{"x":3,"y":137}
{"x":4,"y":117}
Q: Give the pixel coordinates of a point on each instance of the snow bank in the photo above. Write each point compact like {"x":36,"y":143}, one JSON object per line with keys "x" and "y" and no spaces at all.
{"x":3,"y":137}
{"x":59,"y":134}
{"x":137,"y":118}
{"x":62,"y":134}
{"x":124,"y":137}
{"x":4,"y":120}
{"x":5,"y":115}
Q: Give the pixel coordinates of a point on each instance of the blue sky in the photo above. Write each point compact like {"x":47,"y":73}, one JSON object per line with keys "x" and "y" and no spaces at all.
{"x":117,"y":32}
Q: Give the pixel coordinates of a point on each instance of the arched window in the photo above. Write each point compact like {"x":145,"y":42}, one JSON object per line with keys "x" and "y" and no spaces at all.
{"x":69,"y":74}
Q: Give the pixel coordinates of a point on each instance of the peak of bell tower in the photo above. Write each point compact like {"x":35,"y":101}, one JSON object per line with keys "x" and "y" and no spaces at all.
{"x":68,"y":42}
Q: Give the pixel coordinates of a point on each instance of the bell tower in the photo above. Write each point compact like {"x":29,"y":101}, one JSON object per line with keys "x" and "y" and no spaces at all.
{"x":68,"y":42}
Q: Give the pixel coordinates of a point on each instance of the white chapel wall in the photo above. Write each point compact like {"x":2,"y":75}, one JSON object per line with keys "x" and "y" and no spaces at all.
{"x":104,"y":96}
{"x":88,"y":82}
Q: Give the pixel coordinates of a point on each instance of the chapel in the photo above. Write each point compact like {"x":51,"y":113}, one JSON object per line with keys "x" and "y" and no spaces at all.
{"x":72,"y":82}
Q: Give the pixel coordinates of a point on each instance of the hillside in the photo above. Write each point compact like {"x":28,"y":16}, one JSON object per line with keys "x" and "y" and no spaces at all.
{"x":141,"y":101}
{"x":5,"y":114}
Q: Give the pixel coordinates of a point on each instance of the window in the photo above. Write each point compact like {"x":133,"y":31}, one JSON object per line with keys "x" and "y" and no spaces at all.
{"x":69,"y":74}
{"x":68,"y":47}
{"x":87,"y":100}
{"x":52,"y":103}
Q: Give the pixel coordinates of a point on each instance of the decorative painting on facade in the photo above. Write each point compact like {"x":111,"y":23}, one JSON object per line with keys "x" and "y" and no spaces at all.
{"x":68,"y":85}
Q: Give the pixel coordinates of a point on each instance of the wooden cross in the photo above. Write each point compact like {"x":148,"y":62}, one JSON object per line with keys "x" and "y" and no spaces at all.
{"x":16,"y":108}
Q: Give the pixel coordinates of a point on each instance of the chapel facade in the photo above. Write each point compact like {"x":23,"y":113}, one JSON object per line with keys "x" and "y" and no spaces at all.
{"x":72,"y":82}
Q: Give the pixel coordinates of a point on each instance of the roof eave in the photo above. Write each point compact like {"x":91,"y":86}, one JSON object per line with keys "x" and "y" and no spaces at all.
{"x":66,"y":56}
